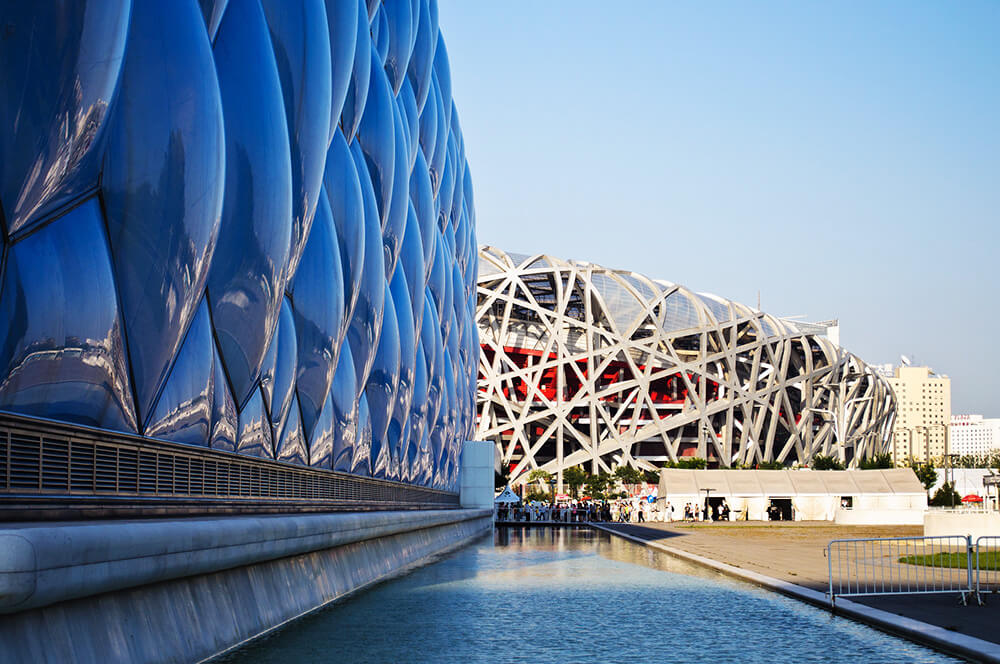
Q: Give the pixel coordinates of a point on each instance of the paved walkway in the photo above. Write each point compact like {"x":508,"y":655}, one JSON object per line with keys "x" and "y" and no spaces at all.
{"x":794,"y":552}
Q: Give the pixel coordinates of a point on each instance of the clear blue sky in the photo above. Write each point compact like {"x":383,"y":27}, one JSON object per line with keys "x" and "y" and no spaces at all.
{"x":843,"y":158}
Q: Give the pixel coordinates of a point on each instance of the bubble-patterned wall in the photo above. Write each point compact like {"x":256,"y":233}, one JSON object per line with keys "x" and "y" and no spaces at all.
{"x":245,"y":225}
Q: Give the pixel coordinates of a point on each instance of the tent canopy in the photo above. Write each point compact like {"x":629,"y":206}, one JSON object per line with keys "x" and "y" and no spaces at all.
{"x":748,"y":483}
{"x":507,"y":496}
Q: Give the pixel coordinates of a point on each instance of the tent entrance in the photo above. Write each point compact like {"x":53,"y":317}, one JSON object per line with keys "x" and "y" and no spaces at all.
{"x":780,"y":509}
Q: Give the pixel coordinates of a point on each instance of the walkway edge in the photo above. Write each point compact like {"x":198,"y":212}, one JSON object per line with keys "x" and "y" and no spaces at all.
{"x":951,"y":642}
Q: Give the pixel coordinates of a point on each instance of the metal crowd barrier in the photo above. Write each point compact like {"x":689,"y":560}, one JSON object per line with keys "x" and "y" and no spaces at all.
{"x":904,"y":566}
{"x":987,"y":566}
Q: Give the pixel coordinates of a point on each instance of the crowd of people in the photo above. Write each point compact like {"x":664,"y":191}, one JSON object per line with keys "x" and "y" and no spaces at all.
{"x":633,"y":510}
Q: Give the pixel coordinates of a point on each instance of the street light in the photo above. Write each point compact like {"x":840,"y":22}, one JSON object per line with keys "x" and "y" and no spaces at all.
{"x":837,"y":419}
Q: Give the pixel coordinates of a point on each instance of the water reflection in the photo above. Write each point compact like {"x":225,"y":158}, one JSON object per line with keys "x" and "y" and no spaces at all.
{"x":574,"y":595}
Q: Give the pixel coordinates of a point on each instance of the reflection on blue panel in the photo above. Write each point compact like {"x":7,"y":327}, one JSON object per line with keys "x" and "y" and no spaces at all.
{"x":225,"y":419}
{"x":361,"y":458}
{"x":318,"y":308}
{"x":321,"y":440}
{"x":163,"y":182}
{"x":277,"y":380}
{"x":59,"y":63}
{"x":377,"y":136}
{"x":347,"y":207}
{"x":246,"y":281}
{"x":292,"y":447}
{"x":343,"y":399}
{"x":183,"y":412}
{"x":301,"y":42}
{"x":342,"y":19}
{"x":65,"y":362}
{"x":254,"y":437}
{"x":381,"y":386}
{"x":357,"y":88}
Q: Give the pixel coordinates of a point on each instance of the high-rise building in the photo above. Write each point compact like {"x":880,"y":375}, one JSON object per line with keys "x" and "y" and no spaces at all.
{"x":923,"y":412}
{"x":974,"y":435}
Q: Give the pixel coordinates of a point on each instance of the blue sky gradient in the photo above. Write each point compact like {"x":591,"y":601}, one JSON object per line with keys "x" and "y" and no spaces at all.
{"x":841,"y":158}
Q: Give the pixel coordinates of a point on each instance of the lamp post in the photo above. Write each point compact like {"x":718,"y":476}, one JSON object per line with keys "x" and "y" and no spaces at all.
{"x":838,"y":421}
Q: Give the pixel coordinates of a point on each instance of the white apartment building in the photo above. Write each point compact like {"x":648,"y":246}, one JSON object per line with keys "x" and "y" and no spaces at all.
{"x":974,"y":435}
{"x":923,"y":413}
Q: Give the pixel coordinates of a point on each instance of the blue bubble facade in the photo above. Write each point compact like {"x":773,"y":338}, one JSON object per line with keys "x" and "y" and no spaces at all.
{"x":243,"y":225}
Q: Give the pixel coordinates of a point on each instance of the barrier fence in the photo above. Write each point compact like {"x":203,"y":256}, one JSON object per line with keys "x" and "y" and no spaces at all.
{"x":904,"y":566}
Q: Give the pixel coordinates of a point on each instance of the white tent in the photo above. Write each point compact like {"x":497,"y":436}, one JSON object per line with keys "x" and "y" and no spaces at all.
{"x":506,"y":496}
{"x":891,"y":496}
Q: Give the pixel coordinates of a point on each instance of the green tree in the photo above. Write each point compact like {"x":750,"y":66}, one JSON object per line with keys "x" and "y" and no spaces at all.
{"x":652,"y":476}
{"x":876,"y":462}
{"x":770,"y":465}
{"x":690,"y":463}
{"x":596,"y":485}
{"x":925,"y":473}
{"x":628,"y":475}
{"x":574,"y":477}
{"x":501,"y":479}
{"x":542,"y":496}
{"x":820,"y":462}
{"x":539,"y":475}
{"x":946,"y":496}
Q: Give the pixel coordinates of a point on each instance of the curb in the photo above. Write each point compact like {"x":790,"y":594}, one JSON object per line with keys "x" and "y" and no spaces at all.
{"x":942,"y":639}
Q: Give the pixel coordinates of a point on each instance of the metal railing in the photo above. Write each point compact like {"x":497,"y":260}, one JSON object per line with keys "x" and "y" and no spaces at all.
{"x":901,"y":566}
{"x":51,"y":470}
{"x":987,"y":565}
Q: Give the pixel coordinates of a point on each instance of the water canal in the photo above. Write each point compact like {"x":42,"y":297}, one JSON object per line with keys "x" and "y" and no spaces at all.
{"x":562,"y":595}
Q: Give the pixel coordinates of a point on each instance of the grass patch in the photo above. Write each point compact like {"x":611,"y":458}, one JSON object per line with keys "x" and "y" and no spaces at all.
{"x":988,"y":560}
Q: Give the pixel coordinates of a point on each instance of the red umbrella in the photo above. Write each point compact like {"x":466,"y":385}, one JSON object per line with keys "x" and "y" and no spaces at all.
{"x":971,"y":498}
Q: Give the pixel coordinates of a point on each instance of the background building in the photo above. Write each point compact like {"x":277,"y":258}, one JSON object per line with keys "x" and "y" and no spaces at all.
{"x":974,"y":435}
{"x":582,"y":365}
{"x":923,"y":412}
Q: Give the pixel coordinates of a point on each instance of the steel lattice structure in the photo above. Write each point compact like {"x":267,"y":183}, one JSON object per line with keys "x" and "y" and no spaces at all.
{"x":583,"y":365}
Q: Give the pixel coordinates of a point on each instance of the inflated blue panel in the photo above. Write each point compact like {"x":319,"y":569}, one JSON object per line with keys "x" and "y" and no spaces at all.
{"x":442,"y":72}
{"x":366,"y":320}
{"x":361,"y":457}
{"x":416,"y":418}
{"x":343,"y":399}
{"x":429,"y":125}
{"x":342,"y":20}
{"x":411,"y":262}
{"x":357,"y":89}
{"x":164,"y":174}
{"x":422,"y":198}
{"x":435,"y":161}
{"x":380,"y":35}
{"x":225,"y":418}
{"x":407,"y":105}
{"x":65,"y":362}
{"x":292,"y":447}
{"x":395,"y":224}
{"x":422,"y":58}
{"x":246,"y":281}
{"x":401,"y":28}
{"x":398,"y":432}
{"x":183,"y":412}
{"x":254,"y":432}
{"x":377,"y":136}
{"x":382,"y":384}
{"x":59,"y":64}
{"x":277,"y":378}
{"x":321,"y":441}
{"x":300,"y":39}
{"x":318,"y":307}
{"x":347,"y":206}
{"x":212,"y":12}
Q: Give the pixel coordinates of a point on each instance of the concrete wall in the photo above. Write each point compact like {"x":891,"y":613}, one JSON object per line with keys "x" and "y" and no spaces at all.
{"x":947,"y":522}
{"x":102,"y":593}
{"x":879,"y":517}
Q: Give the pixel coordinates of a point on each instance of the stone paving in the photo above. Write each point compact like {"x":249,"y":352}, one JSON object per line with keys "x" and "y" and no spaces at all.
{"x":795,"y":552}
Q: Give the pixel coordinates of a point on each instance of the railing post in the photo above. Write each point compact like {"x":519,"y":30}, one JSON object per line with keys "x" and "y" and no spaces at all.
{"x":968,"y":564}
{"x":829,"y":565}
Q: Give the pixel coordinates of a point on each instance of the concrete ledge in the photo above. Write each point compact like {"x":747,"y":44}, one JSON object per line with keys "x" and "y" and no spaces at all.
{"x":42,"y":564}
{"x":973,"y":524}
{"x":198,"y":617}
{"x":932,"y":635}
